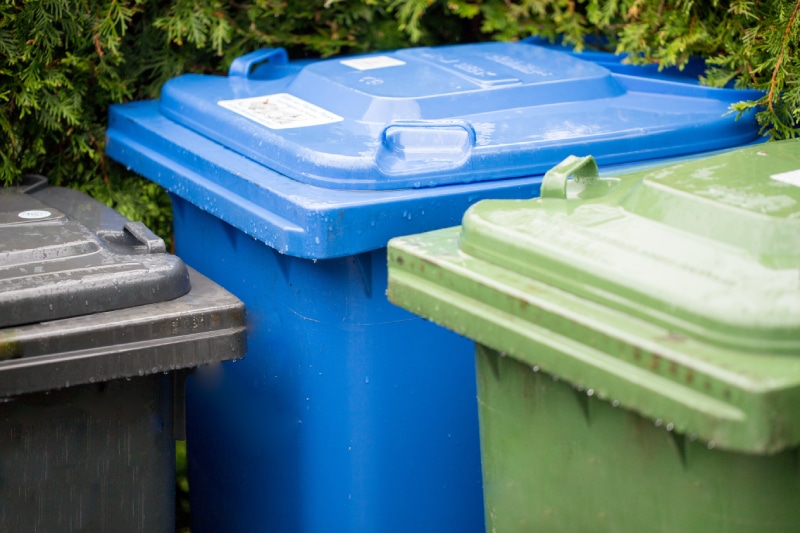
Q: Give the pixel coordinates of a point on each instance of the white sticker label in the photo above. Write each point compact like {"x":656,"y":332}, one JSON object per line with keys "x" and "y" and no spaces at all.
{"x":372,"y":62}
{"x":792,"y":177}
{"x":281,"y":111}
{"x":34,"y":214}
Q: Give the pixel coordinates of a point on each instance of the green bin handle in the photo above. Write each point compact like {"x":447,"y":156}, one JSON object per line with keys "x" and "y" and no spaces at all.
{"x":554,"y":184}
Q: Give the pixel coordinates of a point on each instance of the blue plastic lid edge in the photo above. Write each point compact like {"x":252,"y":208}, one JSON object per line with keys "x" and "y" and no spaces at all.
{"x":322,"y":223}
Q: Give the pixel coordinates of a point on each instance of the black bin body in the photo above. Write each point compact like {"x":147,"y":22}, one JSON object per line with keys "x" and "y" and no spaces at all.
{"x":99,"y":328}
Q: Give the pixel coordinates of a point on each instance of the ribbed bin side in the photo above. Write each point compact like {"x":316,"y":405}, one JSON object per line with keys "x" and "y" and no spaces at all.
{"x":557,"y":459}
{"x":96,"y":457}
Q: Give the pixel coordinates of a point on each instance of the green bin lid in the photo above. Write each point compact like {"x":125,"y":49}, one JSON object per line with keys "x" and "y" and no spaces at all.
{"x":674,"y":291}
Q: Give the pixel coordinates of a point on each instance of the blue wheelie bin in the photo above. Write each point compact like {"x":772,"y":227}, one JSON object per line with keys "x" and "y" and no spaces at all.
{"x":287,"y":181}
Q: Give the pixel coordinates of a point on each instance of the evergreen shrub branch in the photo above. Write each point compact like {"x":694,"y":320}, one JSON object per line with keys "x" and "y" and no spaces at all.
{"x":746,"y":43}
{"x":63,"y":62}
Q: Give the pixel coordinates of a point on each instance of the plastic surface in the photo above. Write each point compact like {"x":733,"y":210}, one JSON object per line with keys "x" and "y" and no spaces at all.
{"x":707,"y":248}
{"x":90,"y":458}
{"x":673,"y":293}
{"x":427,"y":117}
{"x":52,"y":266}
{"x":90,"y":405}
{"x":636,"y":344}
{"x":357,"y":416}
{"x":619,"y":63}
{"x":559,"y":459}
{"x":202,"y":327}
{"x":349,"y":413}
{"x":294,"y":218}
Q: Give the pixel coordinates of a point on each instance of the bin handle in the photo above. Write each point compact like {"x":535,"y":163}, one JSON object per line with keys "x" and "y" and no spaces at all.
{"x":152,"y":242}
{"x":248,"y":65}
{"x":423,"y":146}
{"x":31,"y":183}
{"x":583,"y":169}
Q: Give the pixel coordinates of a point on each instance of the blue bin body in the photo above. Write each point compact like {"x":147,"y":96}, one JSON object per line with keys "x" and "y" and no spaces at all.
{"x":350,"y":414}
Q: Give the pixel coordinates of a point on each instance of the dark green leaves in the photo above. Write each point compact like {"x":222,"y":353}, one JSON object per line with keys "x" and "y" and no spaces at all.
{"x":63,"y":62}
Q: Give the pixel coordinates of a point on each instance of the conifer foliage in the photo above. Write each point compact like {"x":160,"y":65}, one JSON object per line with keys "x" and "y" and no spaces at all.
{"x":747,"y":43}
{"x":62,"y":62}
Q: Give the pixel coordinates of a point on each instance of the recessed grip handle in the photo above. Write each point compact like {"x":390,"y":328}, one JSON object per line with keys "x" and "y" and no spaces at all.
{"x":411,"y":147}
{"x":583,"y":169}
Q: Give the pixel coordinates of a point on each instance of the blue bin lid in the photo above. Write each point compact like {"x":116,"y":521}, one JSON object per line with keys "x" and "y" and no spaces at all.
{"x":427,"y":117}
{"x":347,"y":186}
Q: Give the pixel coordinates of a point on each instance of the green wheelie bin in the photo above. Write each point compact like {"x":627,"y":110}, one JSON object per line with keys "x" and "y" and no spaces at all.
{"x":637,"y":343}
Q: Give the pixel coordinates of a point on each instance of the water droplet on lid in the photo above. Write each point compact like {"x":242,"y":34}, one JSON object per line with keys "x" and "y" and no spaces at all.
{"x":366,"y":379}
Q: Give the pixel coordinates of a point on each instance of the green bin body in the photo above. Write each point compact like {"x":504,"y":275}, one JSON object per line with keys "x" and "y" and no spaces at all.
{"x":637,"y":343}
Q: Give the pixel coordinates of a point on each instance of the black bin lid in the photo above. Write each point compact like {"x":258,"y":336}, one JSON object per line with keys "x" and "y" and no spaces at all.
{"x":63,"y":255}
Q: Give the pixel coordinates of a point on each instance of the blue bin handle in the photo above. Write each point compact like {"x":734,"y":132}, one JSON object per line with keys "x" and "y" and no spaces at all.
{"x":248,"y":65}
{"x":424,"y":146}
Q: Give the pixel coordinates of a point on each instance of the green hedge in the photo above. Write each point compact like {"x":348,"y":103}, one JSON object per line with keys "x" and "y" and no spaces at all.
{"x":62,"y":62}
